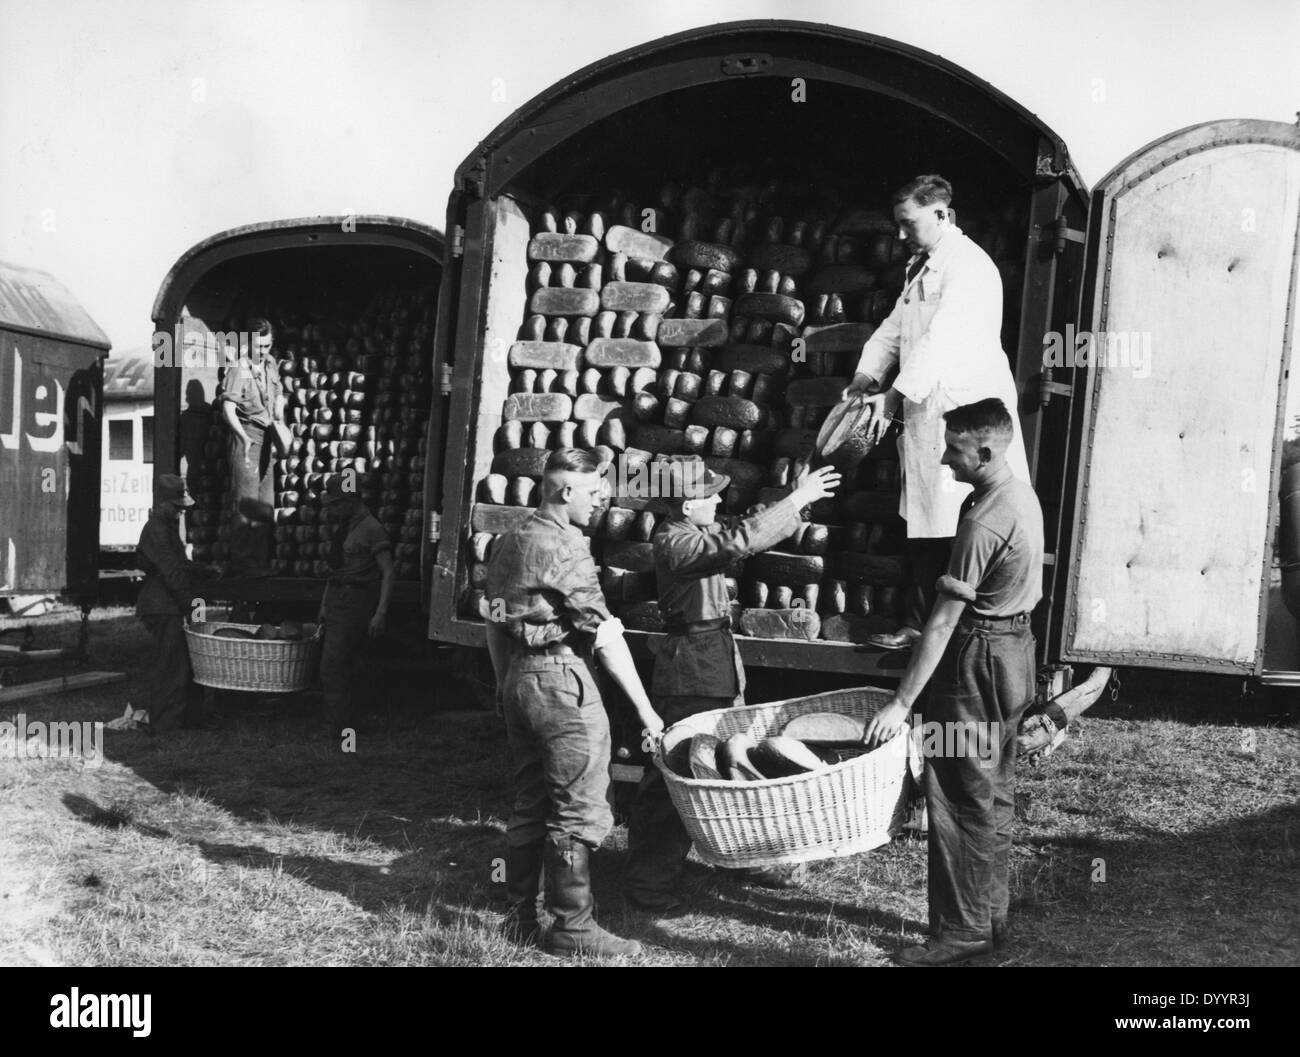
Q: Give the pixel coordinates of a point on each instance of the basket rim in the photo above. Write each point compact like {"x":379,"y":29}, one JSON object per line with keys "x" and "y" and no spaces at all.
{"x":190,"y":630}
{"x":722,"y":783}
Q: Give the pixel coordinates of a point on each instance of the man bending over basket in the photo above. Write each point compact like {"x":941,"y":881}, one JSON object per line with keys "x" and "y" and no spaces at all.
{"x":546,"y":622}
{"x":977,"y":654}
{"x":698,"y":669}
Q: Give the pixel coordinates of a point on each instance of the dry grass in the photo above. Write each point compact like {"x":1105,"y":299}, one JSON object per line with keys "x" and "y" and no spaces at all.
{"x":253,"y":845}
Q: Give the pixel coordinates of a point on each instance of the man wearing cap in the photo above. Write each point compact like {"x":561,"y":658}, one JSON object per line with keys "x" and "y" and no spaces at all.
{"x":166,"y":598}
{"x":977,"y":654}
{"x":698,"y":667}
{"x":944,"y":338}
{"x":546,"y":622}
{"x":357,"y":593}
{"x":252,"y":399}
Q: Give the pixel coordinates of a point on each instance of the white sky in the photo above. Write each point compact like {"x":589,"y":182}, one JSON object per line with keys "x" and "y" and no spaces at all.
{"x":131,"y":130}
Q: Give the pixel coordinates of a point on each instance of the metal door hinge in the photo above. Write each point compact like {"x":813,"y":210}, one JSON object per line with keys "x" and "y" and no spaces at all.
{"x":458,"y":241}
{"x":444,"y":378}
{"x":1060,"y":231}
{"x":435,"y":526}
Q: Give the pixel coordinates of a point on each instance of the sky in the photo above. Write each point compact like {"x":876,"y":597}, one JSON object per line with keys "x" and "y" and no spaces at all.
{"x":133,"y":129}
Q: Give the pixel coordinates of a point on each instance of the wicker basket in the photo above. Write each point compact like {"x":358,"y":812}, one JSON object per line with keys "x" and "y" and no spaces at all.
{"x":844,"y":809}
{"x":267,"y":665}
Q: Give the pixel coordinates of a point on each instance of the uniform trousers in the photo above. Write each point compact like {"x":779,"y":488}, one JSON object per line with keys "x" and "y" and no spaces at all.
{"x":348,"y":611}
{"x":168,"y":677}
{"x":657,"y":841}
{"x":559,"y":740}
{"x":252,"y":500}
{"x":982,"y":686}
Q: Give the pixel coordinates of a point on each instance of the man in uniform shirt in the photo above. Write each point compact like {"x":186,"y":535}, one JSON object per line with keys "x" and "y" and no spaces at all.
{"x":944,"y":337}
{"x":164,"y":602}
{"x":252,"y":399}
{"x":977,"y":653}
{"x":547,"y":618}
{"x":357,"y":593}
{"x":698,"y":667}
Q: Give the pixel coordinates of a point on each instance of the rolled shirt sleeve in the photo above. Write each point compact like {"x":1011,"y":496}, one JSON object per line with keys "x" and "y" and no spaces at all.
{"x":976,"y":551}
{"x":574,"y":578}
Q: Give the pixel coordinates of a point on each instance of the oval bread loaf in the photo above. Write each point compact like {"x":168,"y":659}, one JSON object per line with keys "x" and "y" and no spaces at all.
{"x":775,"y":257}
{"x":776,"y":308}
{"x":634,"y":297}
{"x":755,"y":359}
{"x":623,"y":352}
{"x":538,"y":407}
{"x":564,"y":301}
{"x":554,"y":246}
{"x":634,"y":243}
{"x":824,"y":726}
{"x":704,"y":758}
{"x":555,"y":355}
{"x":521,"y":462}
{"x":732,"y":411}
{"x":782,"y":757}
{"x":696,"y":333}
{"x":703,"y":255}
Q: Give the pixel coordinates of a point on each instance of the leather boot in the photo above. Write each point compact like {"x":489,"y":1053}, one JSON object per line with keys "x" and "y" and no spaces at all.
{"x":523,"y":882}
{"x":568,"y":895}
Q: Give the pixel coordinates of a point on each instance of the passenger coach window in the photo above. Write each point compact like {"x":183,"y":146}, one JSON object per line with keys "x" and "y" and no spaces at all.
{"x":121,"y":440}
{"x":146,"y":431}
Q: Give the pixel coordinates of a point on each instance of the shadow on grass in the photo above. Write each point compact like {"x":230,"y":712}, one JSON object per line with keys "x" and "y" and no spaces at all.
{"x":422,"y":795}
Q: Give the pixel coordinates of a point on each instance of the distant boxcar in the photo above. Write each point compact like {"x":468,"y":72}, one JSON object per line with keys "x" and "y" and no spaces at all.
{"x":51,"y":394}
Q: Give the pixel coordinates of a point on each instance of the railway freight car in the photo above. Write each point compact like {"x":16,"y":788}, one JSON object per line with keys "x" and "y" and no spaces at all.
{"x":51,"y":395}
{"x":682,"y":247}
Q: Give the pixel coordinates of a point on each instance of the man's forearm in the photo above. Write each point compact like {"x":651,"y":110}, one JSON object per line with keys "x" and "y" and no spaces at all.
{"x":232,"y":420}
{"x":925,"y":658}
{"x":385,"y":591}
{"x":616,"y":659}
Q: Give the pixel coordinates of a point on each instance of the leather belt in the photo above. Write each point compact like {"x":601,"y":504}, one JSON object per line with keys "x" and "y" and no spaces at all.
{"x":692,"y":627}
{"x":1014,"y":620}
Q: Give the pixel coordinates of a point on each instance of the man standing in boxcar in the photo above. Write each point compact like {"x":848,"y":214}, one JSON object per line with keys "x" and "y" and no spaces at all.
{"x":977,"y":654}
{"x":252,"y":399}
{"x":165,"y":600}
{"x":547,"y":619}
{"x":944,"y":336}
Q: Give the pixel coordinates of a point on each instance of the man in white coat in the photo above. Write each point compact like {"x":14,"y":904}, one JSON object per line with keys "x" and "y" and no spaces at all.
{"x":944,"y":336}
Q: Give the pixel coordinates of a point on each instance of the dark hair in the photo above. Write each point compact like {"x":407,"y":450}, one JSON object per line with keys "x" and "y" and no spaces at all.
{"x":572,"y":460}
{"x":982,"y":418}
{"x":924,"y":191}
{"x":260,"y":327}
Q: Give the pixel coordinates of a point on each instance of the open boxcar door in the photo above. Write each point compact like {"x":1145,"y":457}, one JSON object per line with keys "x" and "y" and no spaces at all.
{"x":1190,"y":301}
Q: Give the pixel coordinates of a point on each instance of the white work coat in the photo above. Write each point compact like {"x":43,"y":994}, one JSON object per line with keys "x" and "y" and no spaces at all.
{"x":944,"y":335}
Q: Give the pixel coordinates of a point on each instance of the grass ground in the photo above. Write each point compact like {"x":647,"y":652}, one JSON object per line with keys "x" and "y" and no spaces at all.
{"x":1164,"y":832}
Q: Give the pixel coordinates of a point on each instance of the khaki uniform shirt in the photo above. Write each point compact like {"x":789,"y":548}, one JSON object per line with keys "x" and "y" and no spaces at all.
{"x":997,"y":555}
{"x":690,"y":567}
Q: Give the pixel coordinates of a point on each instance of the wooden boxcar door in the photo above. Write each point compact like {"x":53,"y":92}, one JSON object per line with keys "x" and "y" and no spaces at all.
{"x":1190,"y":304}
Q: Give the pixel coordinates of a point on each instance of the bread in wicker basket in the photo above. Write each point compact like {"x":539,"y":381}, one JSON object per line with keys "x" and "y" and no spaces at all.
{"x":265,"y":665}
{"x":842,"y":809}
